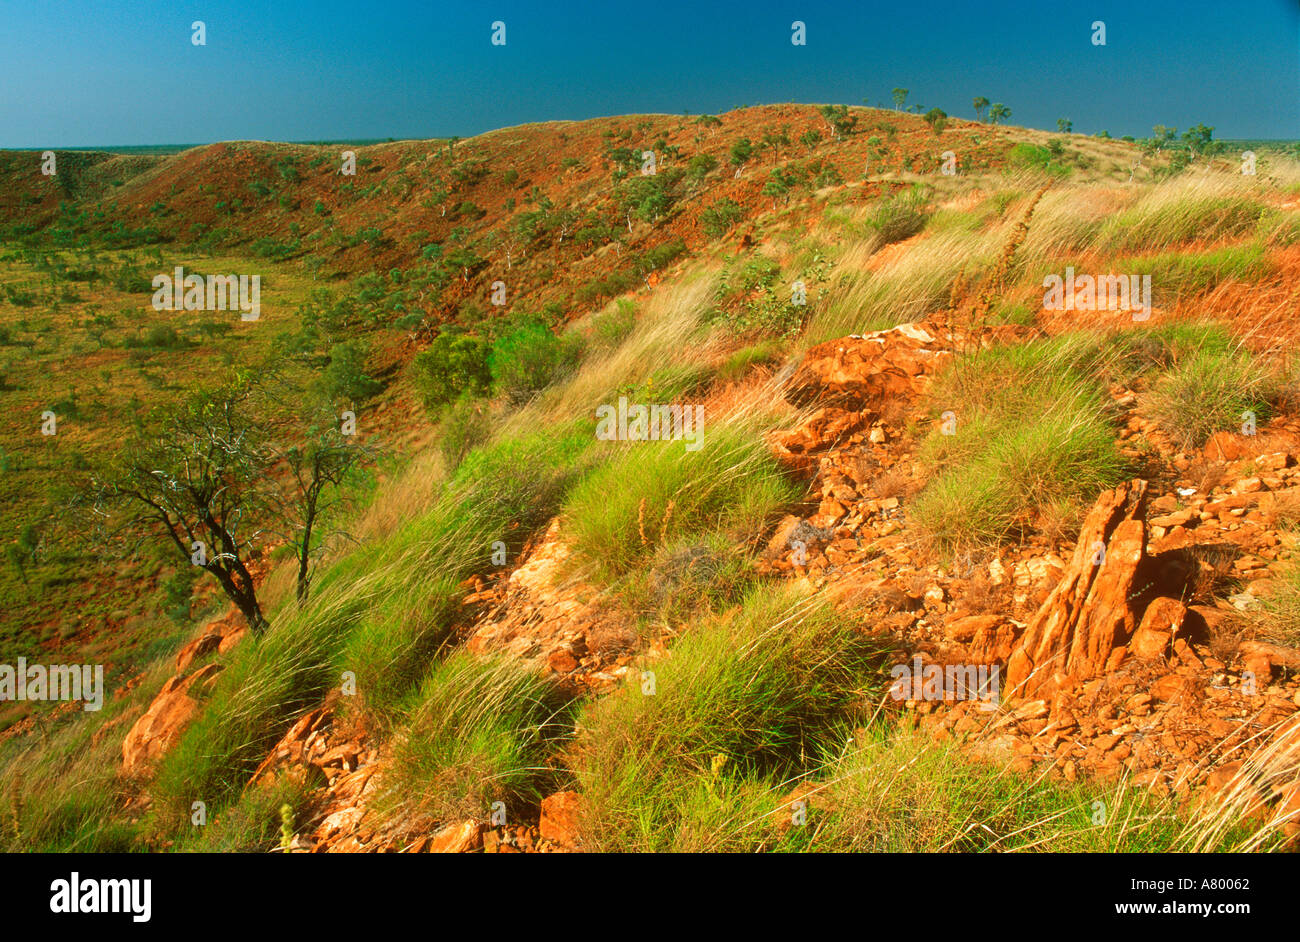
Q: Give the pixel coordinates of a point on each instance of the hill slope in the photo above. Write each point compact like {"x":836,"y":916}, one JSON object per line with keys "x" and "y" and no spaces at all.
{"x":642,"y":644}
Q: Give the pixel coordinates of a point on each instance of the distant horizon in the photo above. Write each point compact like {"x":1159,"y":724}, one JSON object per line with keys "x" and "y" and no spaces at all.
{"x":368,"y":141}
{"x":130,"y":72}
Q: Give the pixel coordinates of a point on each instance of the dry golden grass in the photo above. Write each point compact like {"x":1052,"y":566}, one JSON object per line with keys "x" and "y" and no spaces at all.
{"x":907,"y":288}
{"x":670,"y":331}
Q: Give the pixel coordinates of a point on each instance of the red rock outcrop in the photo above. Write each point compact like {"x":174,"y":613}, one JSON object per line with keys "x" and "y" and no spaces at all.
{"x":560,"y":816}
{"x":858,"y":373}
{"x":1090,"y":613}
{"x":162,"y":724}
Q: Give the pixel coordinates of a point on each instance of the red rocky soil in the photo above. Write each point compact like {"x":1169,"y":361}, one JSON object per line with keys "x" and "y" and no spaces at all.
{"x":1121,"y":653}
{"x":1118,"y":658}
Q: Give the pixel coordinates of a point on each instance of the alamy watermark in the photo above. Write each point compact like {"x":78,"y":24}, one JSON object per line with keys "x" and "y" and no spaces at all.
{"x":182,"y":292}
{"x":79,"y":894}
{"x":1099,"y":293}
{"x":652,"y":423}
{"x":56,"y":682}
{"x":917,"y":681}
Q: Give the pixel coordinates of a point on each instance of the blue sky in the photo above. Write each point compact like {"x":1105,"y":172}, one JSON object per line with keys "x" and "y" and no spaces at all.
{"x":83,"y":73}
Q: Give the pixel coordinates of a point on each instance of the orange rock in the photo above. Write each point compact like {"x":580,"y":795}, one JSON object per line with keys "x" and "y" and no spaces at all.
{"x":231,"y":638}
{"x":1172,"y":687}
{"x":1163,"y":619}
{"x":868,"y":372}
{"x":1090,"y":611}
{"x":561,"y":661}
{"x":965,"y":627}
{"x":824,"y":428}
{"x":162,"y":724}
{"x":457,"y":838}
{"x":561,"y":814}
{"x":204,"y":644}
{"x":1226,"y":446}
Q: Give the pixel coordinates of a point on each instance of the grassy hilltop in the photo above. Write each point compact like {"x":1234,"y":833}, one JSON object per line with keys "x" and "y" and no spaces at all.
{"x":617,"y":645}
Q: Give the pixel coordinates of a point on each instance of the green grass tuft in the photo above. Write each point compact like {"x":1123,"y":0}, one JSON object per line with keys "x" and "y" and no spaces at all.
{"x":479,"y":731}
{"x":652,"y":492}
{"x":766,"y":690}
{"x":1033,"y":434}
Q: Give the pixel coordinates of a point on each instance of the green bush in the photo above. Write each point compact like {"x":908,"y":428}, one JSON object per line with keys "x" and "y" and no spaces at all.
{"x":453,"y":364}
{"x":177,"y":593}
{"x":741,"y":151}
{"x":700,"y":166}
{"x":466,"y":424}
{"x":1033,"y":156}
{"x":345,"y":378}
{"x":159,"y":337}
{"x":720,"y":217}
{"x":530,"y":358}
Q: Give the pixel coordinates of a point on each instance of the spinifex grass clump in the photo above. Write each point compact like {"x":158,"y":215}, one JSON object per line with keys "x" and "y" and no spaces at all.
{"x":391,"y":647}
{"x":499,"y":495}
{"x":743,"y":704}
{"x":898,"y":217}
{"x":903,"y":289}
{"x":1178,"y":275}
{"x":1143,"y":355}
{"x":898,"y":791}
{"x":1182,"y":211}
{"x":1210,"y":390}
{"x":257,"y":822}
{"x":1024,"y":430}
{"x":651,"y":492}
{"x":1282,"y":606}
{"x":267,"y":683}
{"x":691,"y":576}
{"x":479,"y":732}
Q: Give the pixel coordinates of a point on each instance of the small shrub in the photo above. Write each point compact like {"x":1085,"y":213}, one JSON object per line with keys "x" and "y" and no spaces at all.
{"x":452,"y":365}
{"x":899,"y":217}
{"x":700,"y":166}
{"x":530,"y":358}
{"x":345,"y":378}
{"x":1211,"y":391}
{"x":466,"y":424}
{"x":720,"y":217}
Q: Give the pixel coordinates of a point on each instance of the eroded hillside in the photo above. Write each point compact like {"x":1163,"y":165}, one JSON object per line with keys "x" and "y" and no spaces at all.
{"x":539,"y":634}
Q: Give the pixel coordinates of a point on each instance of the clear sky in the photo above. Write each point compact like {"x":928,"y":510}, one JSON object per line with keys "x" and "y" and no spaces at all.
{"x":96,"y":72}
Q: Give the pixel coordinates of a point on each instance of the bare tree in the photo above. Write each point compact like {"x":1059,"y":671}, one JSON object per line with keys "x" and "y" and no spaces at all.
{"x":195,"y":474}
{"x":319,"y":470}
{"x":220,"y":471}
